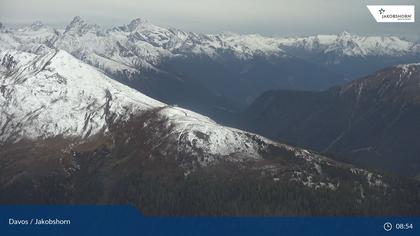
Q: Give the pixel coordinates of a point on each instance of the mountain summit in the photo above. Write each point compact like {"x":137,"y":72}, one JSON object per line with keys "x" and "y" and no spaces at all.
{"x":134,"y":24}
{"x":79,"y":27}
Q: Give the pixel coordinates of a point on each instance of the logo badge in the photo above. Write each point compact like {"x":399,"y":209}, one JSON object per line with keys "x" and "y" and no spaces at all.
{"x":393,"y":13}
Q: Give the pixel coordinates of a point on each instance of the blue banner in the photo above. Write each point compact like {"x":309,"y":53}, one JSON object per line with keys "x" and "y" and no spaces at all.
{"x":126,"y":220}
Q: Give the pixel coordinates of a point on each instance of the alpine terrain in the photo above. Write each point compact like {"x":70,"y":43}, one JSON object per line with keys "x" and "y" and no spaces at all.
{"x":214,"y":74}
{"x":90,"y":115}
{"x":70,"y":134}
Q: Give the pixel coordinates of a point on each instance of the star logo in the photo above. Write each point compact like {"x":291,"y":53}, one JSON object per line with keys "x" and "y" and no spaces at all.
{"x":381,"y":11}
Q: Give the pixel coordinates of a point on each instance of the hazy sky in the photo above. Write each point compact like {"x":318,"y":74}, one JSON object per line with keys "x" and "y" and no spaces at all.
{"x":268,"y":17}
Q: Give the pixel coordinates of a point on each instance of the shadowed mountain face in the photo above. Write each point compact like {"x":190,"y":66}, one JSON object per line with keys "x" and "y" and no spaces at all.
{"x":373,"y":121}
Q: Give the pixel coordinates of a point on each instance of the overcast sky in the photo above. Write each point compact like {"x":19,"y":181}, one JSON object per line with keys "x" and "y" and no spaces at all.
{"x":267,"y":17}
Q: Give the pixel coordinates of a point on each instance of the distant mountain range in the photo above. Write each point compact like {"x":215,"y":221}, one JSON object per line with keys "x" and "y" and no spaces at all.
{"x":372,"y":121}
{"x":214,"y":74}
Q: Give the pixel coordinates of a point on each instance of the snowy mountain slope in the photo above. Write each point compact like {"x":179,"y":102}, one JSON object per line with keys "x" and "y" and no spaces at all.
{"x":33,"y":38}
{"x":45,"y":97}
{"x":56,"y":94}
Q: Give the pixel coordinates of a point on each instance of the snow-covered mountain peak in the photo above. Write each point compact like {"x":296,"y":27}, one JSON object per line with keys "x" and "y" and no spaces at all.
{"x":79,"y":27}
{"x":36,"y":25}
{"x":136,"y":23}
{"x":56,"y":94}
{"x":77,"y":20}
{"x":344,"y":34}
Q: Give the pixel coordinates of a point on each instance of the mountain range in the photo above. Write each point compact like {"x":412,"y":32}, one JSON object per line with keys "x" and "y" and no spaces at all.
{"x":81,"y":122}
{"x":214,"y":74}
{"x":70,"y":134}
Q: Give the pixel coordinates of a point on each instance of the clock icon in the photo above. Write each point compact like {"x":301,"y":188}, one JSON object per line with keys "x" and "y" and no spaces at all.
{"x":387,"y":226}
